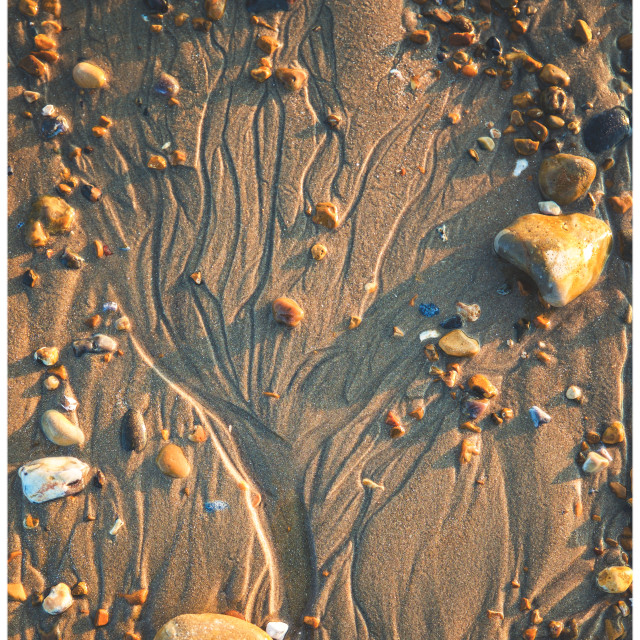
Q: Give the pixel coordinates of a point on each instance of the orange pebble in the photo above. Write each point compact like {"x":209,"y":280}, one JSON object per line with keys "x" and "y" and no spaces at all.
{"x":311,"y":621}
{"x":470,"y":70}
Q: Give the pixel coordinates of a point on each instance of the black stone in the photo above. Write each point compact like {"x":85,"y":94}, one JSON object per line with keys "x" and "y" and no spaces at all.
{"x":159,"y":6}
{"x":494,"y":46}
{"x":607,"y":129}
{"x":521,"y":327}
{"x":454,"y":322}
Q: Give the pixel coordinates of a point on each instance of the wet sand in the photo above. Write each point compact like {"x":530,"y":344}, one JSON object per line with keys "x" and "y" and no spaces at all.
{"x":431,"y":552}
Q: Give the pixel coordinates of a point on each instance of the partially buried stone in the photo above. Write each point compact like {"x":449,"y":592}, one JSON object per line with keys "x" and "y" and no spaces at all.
{"x":287,"y":311}
{"x":209,"y":626}
{"x":482,"y":386}
{"x":50,"y":478}
{"x":550,"y":208}
{"x":60,"y":430}
{"x":30,"y":278}
{"x":33,"y":66}
{"x":172,"y":463}
{"x":525,"y":146}
{"x":615,"y":579}
{"x":91,"y":193}
{"x":166,"y":85}
{"x":606,"y":130}
{"x":582,"y":31}
{"x":554,"y":100}
{"x":98,"y":343}
{"x":458,"y":343}
{"x":133,"y":431}
{"x":71,"y":260}
{"x":564,"y":255}
{"x":564,"y":178}
{"x":292,"y":79}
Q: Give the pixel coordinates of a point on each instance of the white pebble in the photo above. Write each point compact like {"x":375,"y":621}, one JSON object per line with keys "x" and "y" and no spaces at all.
{"x":116,"y":527}
{"x":430,"y":334}
{"x":521,"y":165}
{"x":277,"y":630}
{"x":573,"y":392}
{"x":48,"y":110}
{"x":550,"y":208}
{"x":594,"y":463}
{"x":58,"y":600}
{"x":495,"y":133}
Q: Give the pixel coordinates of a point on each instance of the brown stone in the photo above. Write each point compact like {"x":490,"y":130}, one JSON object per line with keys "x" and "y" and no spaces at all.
{"x":530,"y":633}
{"x":516,"y":118}
{"x":326,"y":215}
{"x":172,"y":463}
{"x":420,"y":36}
{"x":523,"y":100}
{"x":457,"y":343}
{"x":539,"y":130}
{"x":536,"y":618}
{"x":525,"y":146}
{"x":17,"y":592}
{"x":564,"y":178}
{"x":292,"y":79}
{"x":268,"y":44}
{"x":467,"y":450}
{"x":287,"y":311}
{"x":482,"y":386}
{"x":614,"y":433}
{"x":214,"y":9}
{"x":555,"y":628}
{"x":554,"y":75}
{"x":462,"y":39}
{"x":624,"y":42}
{"x":622,"y":203}
{"x":33,"y":66}
{"x":619,"y":489}
{"x":582,"y":31}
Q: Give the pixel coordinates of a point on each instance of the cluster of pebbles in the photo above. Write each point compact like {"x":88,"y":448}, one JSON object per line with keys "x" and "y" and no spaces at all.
{"x":564,"y":254}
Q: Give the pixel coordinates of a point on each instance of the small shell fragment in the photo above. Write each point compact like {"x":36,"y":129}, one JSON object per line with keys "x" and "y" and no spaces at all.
{"x":370,"y":484}
{"x":430,"y":334}
{"x":118,"y":524}
{"x":277,"y":630}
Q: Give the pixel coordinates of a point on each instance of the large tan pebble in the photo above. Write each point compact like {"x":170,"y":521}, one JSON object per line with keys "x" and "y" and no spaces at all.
{"x":564,"y":255}
{"x":60,"y":430}
{"x":172,"y":463}
{"x":615,"y":579}
{"x":88,"y":76}
{"x":209,"y":626}
{"x":457,"y":343}
{"x":564,"y":178}
{"x":614,"y":433}
{"x":58,"y":600}
{"x":292,"y":79}
{"x":17,"y":592}
{"x":554,"y":75}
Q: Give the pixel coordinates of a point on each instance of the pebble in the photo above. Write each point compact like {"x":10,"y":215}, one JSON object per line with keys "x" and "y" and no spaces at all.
{"x":172,"y":463}
{"x":58,"y":600}
{"x":553,"y":100}
{"x":564,"y":255}
{"x":16,"y":591}
{"x":287,"y":311}
{"x":326,"y":215}
{"x":89,"y":76}
{"x":60,"y":430}
{"x":525,"y":146}
{"x":622,"y":203}
{"x":216,"y":505}
{"x":454,"y":322}
{"x":470,"y":312}
{"x":47,"y":355}
{"x":468,"y":449}
{"x":555,"y":122}
{"x":136,"y":598}
{"x":117,"y":525}
{"x":133,"y":434}
{"x":458,"y":343}
{"x":71,"y":260}
{"x":214,"y":9}
{"x":539,"y":416}
{"x":494,"y":46}
{"x":33,"y":66}
{"x":573,"y":393}
{"x":277,"y":630}
{"x":549,"y":207}
{"x":539,"y":131}
{"x":210,"y":626}
{"x":292,"y":79}
{"x":554,"y":75}
{"x":318,"y":251}
{"x":51,"y":383}
{"x":606,"y":130}
{"x":480,"y":385}
{"x":166,"y":85}
{"x":54,"y":126}
{"x":475,"y":408}
{"x":615,"y":579}
{"x":582,"y":31}
{"x":428,"y":310}
{"x":159,"y":163}
{"x":30,"y":278}
{"x":50,"y":478}
{"x":80,"y":589}
{"x":555,"y":628}
{"x":123,"y":324}
{"x":594,"y":463}
{"x":614,"y":433}
{"x":619,"y":490}
{"x":487,"y":143}
{"x":91,"y":193}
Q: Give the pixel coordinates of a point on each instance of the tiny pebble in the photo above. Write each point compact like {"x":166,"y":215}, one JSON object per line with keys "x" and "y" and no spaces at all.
{"x":574,"y":393}
{"x":216,"y":505}
{"x":521,"y":165}
{"x":549,"y":207}
{"x":430,"y":334}
{"x":429,"y":310}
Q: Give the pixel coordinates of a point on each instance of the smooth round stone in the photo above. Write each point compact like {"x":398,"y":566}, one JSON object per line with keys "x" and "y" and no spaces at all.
{"x":172,"y":463}
{"x":457,"y":343}
{"x":287,"y":311}
{"x":564,"y":178}
{"x":60,"y":430}
{"x":88,"y":76}
{"x":615,"y":579}
{"x":564,"y":255}
{"x":209,"y":626}
{"x":606,"y":130}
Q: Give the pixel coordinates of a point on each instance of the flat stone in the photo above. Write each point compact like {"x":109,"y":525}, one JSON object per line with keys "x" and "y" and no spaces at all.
{"x":564,"y":255}
{"x":457,"y":343}
{"x":564,"y":178}
{"x":50,"y":478}
{"x":17,"y":592}
{"x":172,"y":463}
{"x":482,"y":386}
{"x":554,"y":75}
{"x":60,"y":430}
{"x":209,"y":626}
{"x":58,"y":600}
{"x":615,"y":579}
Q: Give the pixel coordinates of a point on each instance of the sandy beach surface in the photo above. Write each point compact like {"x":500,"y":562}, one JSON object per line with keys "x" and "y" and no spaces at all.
{"x":438,"y":543}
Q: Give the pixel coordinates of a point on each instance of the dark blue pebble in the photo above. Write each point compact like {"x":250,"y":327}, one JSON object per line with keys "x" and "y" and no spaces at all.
{"x":52,"y":127}
{"x":454,"y":322}
{"x":494,"y":46}
{"x":429,"y":310}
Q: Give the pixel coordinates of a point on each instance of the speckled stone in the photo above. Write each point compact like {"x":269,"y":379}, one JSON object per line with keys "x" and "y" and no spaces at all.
{"x":564,"y":255}
{"x":209,"y":626}
{"x":457,"y":343}
{"x":564,"y":178}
